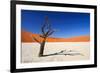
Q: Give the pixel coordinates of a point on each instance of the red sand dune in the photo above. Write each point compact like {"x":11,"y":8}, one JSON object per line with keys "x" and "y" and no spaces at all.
{"x":27,"y":37}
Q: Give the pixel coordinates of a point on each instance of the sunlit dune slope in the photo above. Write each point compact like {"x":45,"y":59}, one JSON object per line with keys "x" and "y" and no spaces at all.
{"x":28,"y":37}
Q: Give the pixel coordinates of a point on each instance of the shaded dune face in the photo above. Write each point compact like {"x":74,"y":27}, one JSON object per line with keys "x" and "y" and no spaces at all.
{"x":27,"y":37}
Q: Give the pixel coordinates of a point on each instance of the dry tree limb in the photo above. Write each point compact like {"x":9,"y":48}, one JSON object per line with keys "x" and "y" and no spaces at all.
{"x":35,"y":39}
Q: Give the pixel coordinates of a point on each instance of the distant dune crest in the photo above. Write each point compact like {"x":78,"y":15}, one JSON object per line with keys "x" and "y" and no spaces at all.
{"x":27,"y":37}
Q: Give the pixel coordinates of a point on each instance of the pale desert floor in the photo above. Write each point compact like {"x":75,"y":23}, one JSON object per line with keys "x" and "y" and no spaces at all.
{"x":30,"y":51}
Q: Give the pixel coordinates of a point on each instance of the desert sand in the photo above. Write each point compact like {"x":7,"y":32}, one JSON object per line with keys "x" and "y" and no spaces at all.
{"x":30,"y":51}
{"x":30,"y":48}
{"x":27,"y":37}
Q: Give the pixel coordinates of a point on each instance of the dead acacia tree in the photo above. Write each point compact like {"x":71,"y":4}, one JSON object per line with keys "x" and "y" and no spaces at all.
{"x":46,"y":31}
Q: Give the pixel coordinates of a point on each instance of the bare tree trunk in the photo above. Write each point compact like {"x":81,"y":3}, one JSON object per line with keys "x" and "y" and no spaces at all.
{"x":42,"y":47}
{"x":46,"y":32}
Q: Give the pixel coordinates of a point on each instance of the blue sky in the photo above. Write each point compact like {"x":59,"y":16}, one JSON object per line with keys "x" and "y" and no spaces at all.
{"x":67,"y":24}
